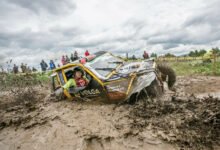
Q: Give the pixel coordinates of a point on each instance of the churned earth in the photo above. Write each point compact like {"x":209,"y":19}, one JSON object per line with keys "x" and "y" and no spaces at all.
{"x":186,"y":118}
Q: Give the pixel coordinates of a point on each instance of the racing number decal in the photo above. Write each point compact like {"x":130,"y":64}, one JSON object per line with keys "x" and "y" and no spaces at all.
{"x":92,"y":92}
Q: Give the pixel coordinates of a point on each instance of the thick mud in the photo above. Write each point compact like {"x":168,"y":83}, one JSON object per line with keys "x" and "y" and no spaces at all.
{"x":186,"y":118}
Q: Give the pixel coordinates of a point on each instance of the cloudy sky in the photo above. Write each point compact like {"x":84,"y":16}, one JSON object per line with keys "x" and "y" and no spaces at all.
{"x":31,"y":30}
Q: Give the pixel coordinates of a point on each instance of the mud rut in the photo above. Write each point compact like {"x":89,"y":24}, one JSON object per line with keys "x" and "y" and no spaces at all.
{"x":31,"y":119}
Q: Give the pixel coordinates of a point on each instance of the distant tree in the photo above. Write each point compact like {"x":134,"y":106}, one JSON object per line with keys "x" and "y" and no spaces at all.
{"x":197,"y":53}
{"x":217,"y":50}
{"x":153,"y":55}
{"x":169,"y":55}
{"x":202,"y":52}
{"x":192,"y":54}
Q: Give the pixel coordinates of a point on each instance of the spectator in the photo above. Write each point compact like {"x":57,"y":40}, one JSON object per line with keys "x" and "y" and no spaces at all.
{"x":29,"y":69}
{"x":15,"y":69}
{"x":72,"y":57}
{"x":76,"y":55}
{"x":23,"y":68}
{"x":52,"y":65}
{"x":67,"y":60}
{"x":63,"y":60}
{"x":87,"y":53}
{"x":145,"y":55}
{"x":43,"y":65}
{"x":133,"y":57}
{"x":34,"y":69}
{"x":58,"y":65}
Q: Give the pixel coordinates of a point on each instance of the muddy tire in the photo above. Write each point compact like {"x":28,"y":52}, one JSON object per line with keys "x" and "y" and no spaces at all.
{"x":167,"y":71}
{"x":154,"y":90}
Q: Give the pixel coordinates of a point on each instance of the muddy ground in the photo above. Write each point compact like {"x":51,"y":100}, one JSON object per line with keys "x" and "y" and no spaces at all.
{"x":186,"y":118}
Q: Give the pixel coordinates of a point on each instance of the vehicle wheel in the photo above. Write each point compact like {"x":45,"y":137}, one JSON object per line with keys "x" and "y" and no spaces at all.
{"x":167,"y":71}
{"x":154,"y":89}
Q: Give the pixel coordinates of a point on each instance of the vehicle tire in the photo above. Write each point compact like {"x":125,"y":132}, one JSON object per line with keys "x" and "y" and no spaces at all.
{"x":167,"y":71}
{"x":154,"y":89}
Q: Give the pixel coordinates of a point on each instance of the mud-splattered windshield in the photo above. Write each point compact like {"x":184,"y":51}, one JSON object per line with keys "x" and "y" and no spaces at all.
{"x":105,"y":64}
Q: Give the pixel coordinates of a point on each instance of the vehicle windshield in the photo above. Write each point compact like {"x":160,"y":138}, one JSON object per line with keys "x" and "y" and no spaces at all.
{"x":105,"y":64}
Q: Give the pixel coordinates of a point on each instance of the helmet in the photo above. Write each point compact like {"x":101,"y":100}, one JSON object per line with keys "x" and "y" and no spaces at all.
{"x":78,"y":69}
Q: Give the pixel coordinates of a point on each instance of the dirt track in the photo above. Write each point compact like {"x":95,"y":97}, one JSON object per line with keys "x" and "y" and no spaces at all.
{"x":177,"y":120}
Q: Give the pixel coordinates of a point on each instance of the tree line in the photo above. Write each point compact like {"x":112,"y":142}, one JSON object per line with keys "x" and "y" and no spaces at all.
{"x":195,"y":53}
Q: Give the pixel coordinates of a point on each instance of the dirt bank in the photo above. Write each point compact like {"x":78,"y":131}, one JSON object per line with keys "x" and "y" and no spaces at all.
{"x":178,"y":120}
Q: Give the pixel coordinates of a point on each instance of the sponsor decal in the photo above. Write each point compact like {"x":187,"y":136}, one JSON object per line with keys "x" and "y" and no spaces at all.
{"x":115,"y":88}
{"x":90,"y":92}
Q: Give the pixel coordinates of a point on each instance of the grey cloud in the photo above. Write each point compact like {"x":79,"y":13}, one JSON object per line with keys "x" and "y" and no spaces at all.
{"x":169,"y":45}
{"x":201,"y":28}
{"x":48,"y":28}
{"x":208,"y":15}
{"x":26,"y":38}
{"x":53,"y":7}
{"x":129,"y":32}
{"x":174,"y":37}
{"x":2,"y":58}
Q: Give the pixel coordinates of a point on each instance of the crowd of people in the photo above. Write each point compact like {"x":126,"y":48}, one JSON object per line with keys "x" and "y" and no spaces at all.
{"x":145,"y":56}
{"x":24,"y":68}
{"x":64,"y":60}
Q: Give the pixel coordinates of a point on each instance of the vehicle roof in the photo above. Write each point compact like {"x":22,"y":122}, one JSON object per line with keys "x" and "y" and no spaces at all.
{"x":105,"y":63}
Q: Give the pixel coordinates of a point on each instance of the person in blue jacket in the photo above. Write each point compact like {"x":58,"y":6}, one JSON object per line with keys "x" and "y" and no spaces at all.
{"x":43,"y":65}
{"x":52,"y":65}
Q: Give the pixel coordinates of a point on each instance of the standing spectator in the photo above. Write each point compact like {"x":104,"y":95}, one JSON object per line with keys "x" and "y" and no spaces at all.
{"x":23,"y":68}
{"x":58,"y":65}
{"x":34,"y":69}
{"x":43,"y":65}
{"x":87,"y":53}
{"x":145,"y":55}
{"x":76,"y":55}
{"x":133,"y":57}
{"x":72,"y":57}
{"x":15,"y":69}
{"x":52,"y":65}
{"x":29,"y":69}
{"x":67,"y":60}
{"x":63,"y":60}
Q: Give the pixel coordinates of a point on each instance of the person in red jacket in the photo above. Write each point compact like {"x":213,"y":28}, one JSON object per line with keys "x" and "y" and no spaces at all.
{"x":145,"y":55}
{"x":63,"y":60}
{"x":87,"y":53}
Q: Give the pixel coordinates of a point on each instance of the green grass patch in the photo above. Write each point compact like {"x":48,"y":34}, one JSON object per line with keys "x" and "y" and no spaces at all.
{"x":23,"y":80}
{"x":194,"y":68}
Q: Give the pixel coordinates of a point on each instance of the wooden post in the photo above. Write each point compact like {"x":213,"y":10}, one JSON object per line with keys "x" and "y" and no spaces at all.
{"x":214,"y":63}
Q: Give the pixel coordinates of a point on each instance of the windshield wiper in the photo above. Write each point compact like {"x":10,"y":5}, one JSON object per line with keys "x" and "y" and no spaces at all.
{"x":116,"y":62}
{"x":108,"y":69}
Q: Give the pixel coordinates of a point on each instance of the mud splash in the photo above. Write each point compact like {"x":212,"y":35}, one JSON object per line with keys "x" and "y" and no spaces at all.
{"x":192,"y":123}
{"x":178,"y":120}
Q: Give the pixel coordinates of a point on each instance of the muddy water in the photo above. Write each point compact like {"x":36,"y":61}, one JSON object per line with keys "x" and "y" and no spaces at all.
{"x":169,"y":122}
{"x":76,"y":126}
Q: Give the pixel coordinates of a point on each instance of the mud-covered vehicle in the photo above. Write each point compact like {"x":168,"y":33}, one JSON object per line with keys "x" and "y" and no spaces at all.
{"x":113,"y":79}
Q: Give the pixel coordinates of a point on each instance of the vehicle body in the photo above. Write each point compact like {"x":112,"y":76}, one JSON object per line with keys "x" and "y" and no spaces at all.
{"x":111,"y":78}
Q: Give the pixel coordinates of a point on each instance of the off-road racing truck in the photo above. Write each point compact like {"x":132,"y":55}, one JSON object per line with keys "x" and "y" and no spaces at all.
{"x":114,"y":79}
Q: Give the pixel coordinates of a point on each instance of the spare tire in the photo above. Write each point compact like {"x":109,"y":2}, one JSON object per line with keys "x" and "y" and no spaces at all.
{"x":167,"y":71}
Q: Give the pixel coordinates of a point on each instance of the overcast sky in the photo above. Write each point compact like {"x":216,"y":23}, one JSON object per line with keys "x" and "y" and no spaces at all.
{"x":32,"y":30}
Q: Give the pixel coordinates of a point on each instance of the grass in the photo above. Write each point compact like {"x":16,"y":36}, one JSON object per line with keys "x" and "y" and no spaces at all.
{"x":23,"y":80}
{"x":194,"y":68}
